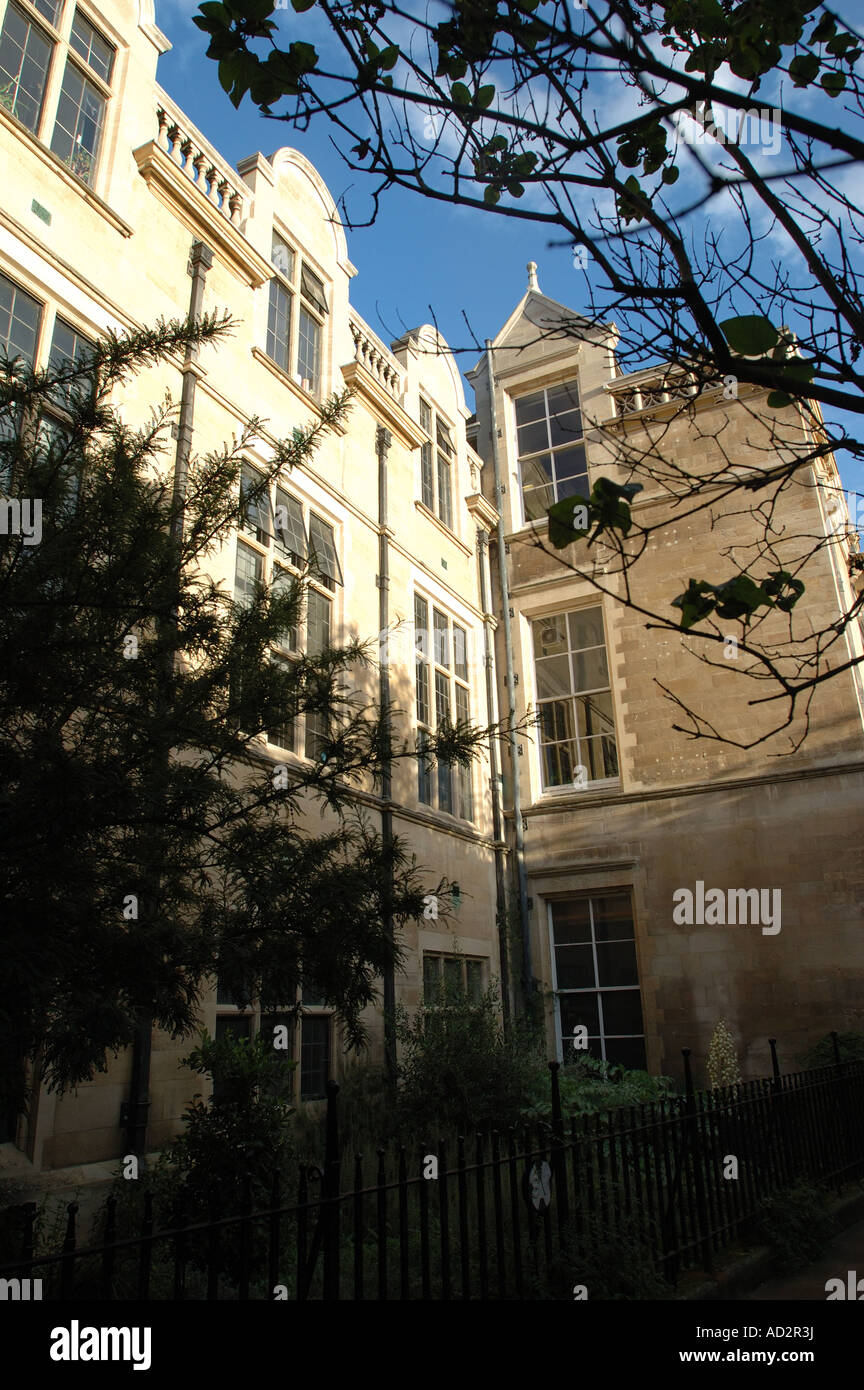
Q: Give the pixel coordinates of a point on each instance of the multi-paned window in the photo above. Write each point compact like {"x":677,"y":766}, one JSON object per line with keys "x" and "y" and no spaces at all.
{"x":68,"y":348}
{"x":442,"y":698}
{"x":25,"y":58}
{"x":306,"y":299}
{"x":281,"y":296}
{"x":313,"y":308}
{"x":447,"y":975}
{"x":577,"y":725}
{"x":550,"y":448}
{"x":277,"y":540}
{"x":283,"y":734}
{"x":314,"y":1025}
{"x":20,"y":326}
{"x":33,"y":30}
{"x":20,"y":318}
{"x":437,"y":454}
{"x":83,"y":100}
{"x":596,"y":979}
{"x":20,"y":322}
{"x":316,"y":1035}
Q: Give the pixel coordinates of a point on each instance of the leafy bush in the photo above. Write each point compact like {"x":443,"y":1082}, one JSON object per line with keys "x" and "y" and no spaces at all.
{"x":241,"y":1131}
{"x":796,"y":1224}
{"x":49,"y":1224}
{"x":590,"y":1086}
{"x":459,"y":1070}
{"x":612,"y":1264}
{"x":241,"y":1134}
{"x":821,"y":1054}
{"x":367,"y":1116}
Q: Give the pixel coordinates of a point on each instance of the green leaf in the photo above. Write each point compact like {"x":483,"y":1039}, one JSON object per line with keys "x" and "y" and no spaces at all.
{"x":751,"y":335}
{"x":224,"y":44}
{"x":825,"y":29}
{"x":610,"y":508}
{"x":670,"y":174}
{"x":778,"y":400}
{"x":460,"y":94}
{"x":215,"y":11}
{"x":485,"y":97}
{"x":496,"y":145}
{"x":305,"y":54}
{"x":561,"y":529}
{"x":804,"y":69}
{"x":301,"y":6}
{"x":389,"y":57}
{"x":227,"y":71}
{"x":833,"y":83}
{"x":798,"y":369}
{"x":515,"y":189}
{"x":491,"y":196}
{"x":256,"y":10}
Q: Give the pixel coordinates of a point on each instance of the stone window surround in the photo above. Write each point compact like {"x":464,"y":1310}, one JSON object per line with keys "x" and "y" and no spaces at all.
{"x":64,"y":53}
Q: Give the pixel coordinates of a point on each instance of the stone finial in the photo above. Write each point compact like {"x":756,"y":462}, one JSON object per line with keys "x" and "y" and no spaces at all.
{"x":532,"y":276}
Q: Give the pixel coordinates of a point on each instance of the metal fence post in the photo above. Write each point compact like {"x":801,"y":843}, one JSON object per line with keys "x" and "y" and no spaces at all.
{"x":67,"y":1274}
{"x":694,"y":1146}
{"x":559,"y":1161}
{"x":330,"y":1196}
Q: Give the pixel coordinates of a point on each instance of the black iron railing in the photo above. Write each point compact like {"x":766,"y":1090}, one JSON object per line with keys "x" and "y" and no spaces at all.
{"x":506,"y":1215}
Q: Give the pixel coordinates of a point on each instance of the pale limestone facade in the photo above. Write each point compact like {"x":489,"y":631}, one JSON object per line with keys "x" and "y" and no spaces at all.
{"x":107,"y":245}
{"x":114,"y":253}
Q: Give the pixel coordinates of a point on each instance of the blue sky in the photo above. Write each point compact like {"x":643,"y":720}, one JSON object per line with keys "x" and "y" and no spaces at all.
{"x":417,"y":254}
{"x":421,"y":261}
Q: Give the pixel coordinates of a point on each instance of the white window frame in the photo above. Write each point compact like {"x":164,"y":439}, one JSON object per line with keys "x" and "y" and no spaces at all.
{"x":597,"y":989}
{"x":432,"y":451}
{"x":63,"y":55}
{"x":426,"y":653}
{"x":301,"y":302}
{"x":273,"y":560}
{"x":556,"y":789}
{"x":523,"y":519}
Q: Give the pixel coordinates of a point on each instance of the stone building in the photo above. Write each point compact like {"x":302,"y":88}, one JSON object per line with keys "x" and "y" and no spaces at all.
{"x":115,"y":206}
{"x":115,"y":211}
{"x":616,"y":813}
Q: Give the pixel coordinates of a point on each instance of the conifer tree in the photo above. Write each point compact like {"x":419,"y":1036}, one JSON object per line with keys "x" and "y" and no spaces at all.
{"x":148,"y":840}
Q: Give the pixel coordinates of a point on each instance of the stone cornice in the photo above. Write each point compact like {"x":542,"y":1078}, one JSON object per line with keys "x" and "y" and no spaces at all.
{"x":584,"y":800}
{"x":173,"y":187}
{"x":482,"y":511}
{"x":383,"y":405}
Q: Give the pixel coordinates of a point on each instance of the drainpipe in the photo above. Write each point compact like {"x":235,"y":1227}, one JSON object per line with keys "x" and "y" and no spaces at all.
{"x":383,"y":440}
{"x":522,"y":882}
{"x":134,"y":1114}
{"x":200,"y":261}
{"x":494,"y":770}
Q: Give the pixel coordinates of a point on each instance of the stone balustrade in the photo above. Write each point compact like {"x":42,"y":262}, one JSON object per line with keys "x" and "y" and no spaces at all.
{"x":205,"y":169}
{"x":372,"y":355}
{"x":657,"y":391}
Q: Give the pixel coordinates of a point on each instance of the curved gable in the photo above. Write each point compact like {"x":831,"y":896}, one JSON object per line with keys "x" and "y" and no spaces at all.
{"x":302,"y":178}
